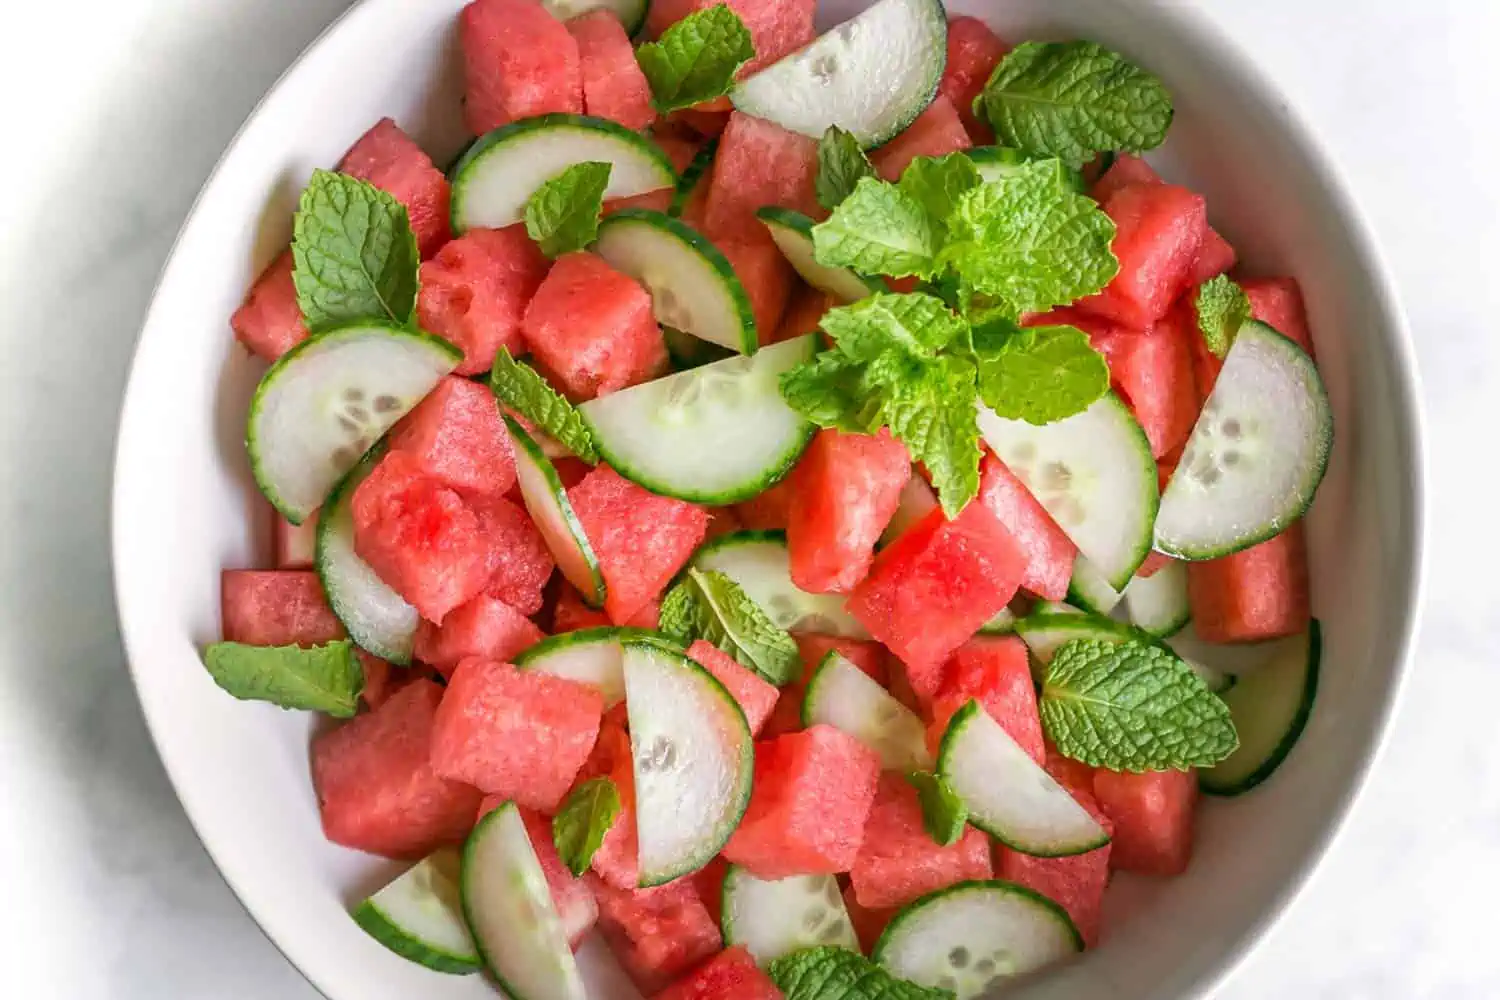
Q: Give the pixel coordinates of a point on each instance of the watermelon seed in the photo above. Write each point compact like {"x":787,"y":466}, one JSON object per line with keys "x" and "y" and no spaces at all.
{"x":386,"y":404}
{"x":958,"y":957}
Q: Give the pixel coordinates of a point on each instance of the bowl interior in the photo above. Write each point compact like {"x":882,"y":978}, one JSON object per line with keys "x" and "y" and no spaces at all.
{"x":185,"y":505}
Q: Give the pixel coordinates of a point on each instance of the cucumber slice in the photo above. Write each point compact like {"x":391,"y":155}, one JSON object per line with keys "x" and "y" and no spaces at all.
{"x":841,"y":695}
{"x":1158,"y":604}
{"x":792,"y":232}
{"x":1009,"y":795}
{"x":1256,"y":455}
{"x":547,"y":502}
{"x":1089,"y":591}
{"x":758,"y":561}
{"x":693,"y":759}
{"x":995,"y":163}
{"x":693,"y":286}
{"x":916,"y":501}
{"x":697,"y":173}
{"x":1094,"y":474}
{"x":376,"y":617}
{"x":871,"y":75}
{"x":632,"y":13}
{"x":1213,"y":659}
{"x":974,"y":936}
{"x":717,"y":434}
{"x":591,"y":656}
{"x":1270,"y":707}
{"x":500,"y":172}
{"x":770,"y":919}
{"x":688,"y":352}
{"x":327,"y":400}
{"x":419,"y":917}
{"x":1044,"y":632}
{"x":1004,"y":623}
{"x":509,"y":911}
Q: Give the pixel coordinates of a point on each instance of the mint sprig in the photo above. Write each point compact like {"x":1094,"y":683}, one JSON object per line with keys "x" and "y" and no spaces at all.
{"x":695,"y":60}
{"x":1038,"y":374}
{"x":708,"y":605}
{"x":583,"y":820}
{"x":522,"y":389}
{"x":841,"y":164}
{"x":832,"y":973}
{"x":879,"y":229}
{"x":326,"y":678}
{"x":1222,"y":307}
{"x":944,"y":814}
{"x":563,"y":214}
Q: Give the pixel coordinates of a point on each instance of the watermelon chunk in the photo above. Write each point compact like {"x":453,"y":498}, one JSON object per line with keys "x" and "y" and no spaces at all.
{"x":867,"y":656}
{"x":1215,"y":257}
{"x":276,"y":607}
{"x":519,"y":562}
{"x":570,"y":613}
{"x":377,"y":790}
{"x":756,"y":696}
{"x":812,"y":795}
{"x":657,"y":934}
{"x":1255,"y":594}
{"x":518,"y":734}
{"x":996,"y":670}
{"x":640,"y":539}
{"x":1127,"y":169}
{"x":868,"y":924}
{"x":758,"y":164}
{"x":457,"y":436}
{"x":571,"y":896}
{"x":1153,"y":370}
{"x":777,"y":27}
{"x":770,"y":510}
{"x":1048,"y":550}
{"x":706,"y":120}
{"x":709,"y":881}
{"x":1076,"y":883}
{"x":804,"y":311}
{"x":846,"y":488}
{"x":474,"y":293}
{"x":1159,"y":229}
{"x":973,"y":52}
{"x":485,"y":627}
{"x":296,"y":544}
{"x":680,"y":144}
{"x":932,"y":588}
{"x":592,"y":328}
{"x":1277,"y":302}
{"x":721,"y":521}
{"x":617,"y":861}
{"x":937,"y":131}
{"x":1074,"y":775}
{"x":730,"y":975}
{"x":1152,"y":815}
{"x":388,"y":158}
{"x":519,"y":61}
{"x":898,"y":859}
{"x":613,"y":85}
{"x":269,"y":322}
{"x":767,"y":278}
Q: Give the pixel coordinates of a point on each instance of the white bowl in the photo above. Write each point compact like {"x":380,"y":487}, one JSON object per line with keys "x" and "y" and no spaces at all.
{"x":185,"y":506}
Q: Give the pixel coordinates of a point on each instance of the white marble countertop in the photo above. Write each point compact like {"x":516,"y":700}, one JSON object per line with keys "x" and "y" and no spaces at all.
{"x":115,"y":110}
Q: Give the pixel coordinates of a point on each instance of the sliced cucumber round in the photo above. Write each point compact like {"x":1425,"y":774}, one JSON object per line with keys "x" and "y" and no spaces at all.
{"x":841,"y":695}
{"x":1158,"y":604}
{"x":376,"y":617}
{"x":1094,"y":473}
{"x":772,"y":918}
{"x":792,"y":232}
{"x":759,"y":562}
{"x":327,"y":400}
{"x":693,"y":760}
{"x":693,"y":286}
{"x":1226,"y":661}
{"x":1009,"y":795}
{"x":871,"y":76}
{"x":509,"y":910}
{"x":1256,"y":455}
{"x":995,"y":163}
{"x":1045,"y":632}
{"x":1270,"y":707}
{"x":420,"y":918}
{"x":547,"y":502}
{"x":632,"y":13}
{"x":500,"y":172}
{"x":717,"y":434}
{"x":917,"y":500}
{"x":974,"y":936}
{"x":693,"y":178}
{"x":591,"y":656}
{"x":1088,"y":590}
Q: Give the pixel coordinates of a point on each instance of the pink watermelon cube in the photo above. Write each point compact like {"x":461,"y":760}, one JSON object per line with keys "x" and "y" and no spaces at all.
{"x":1159,"y":229}
{"x":1277,"y":302}
{"x":973,"y":52}
{"x":1215,"y":255}
{"x":640,"y":539}
{"x":932,"y":588}
{"x":846,"y":488}
{"x":520,"y":564}
{"x":937,"y":131}
{"x":377,"y":791}
{"x":657,"y":934}
{"x":519,"y":61}
{"x":592,"y":328}
{"x":387,"y":157}
{"x":519,"y":734}
{"x":812,"y":794}
{"x":571,"y":896}
{"x":730,"y":975}
{"x":475,"y":292}
{"x":758,"y":164}
{"x":458,"y":437}
{"x":276,"y":607}
{"x":777,"y":27}
{"x":868,"y":923}
{"x":899,"y":861}
{"x":709,"y":882}
{"x":767,"y":277}
{"x":680,"y":144}
{"x":613,"y":85}
{"x":617,"y":861}
{"x":995,"y":671}
{"x":1049,"y":552}
{"x":296,"y":544}
{"x":1153,"y":370}
{"x":756,"y":696}
{"x":1076,"y":883}
{"x":1152,"y":815}
{"x":804,"y":311}
{"x":570,"y":613}
{"x":269,"y":322}
{"x":485,"y":627}
{"x":1074,"y":775}
{"x":768,"y":511}
{"x":1256,"y":594}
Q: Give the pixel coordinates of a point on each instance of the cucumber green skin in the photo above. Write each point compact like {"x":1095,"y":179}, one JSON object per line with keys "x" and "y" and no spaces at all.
{"x":734,"y":539}
{"x":893,"y":929}
{"x":695,"y":172}
{"x":593,"y":596}
{"x":378,"y":926}
{"x":809,"y":694}
{"x":800,"y":224}
{"x":1293,"y":732}
{"x":530,"y":656}
{"x":1083,"y":601}
{"x":1171,"y":628}
{"x":1148,"y":471}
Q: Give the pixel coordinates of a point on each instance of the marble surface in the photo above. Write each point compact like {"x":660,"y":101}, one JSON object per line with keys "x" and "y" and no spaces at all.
{"x":109,"y":895}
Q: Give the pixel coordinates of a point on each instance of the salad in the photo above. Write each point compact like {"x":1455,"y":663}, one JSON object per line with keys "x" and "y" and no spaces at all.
{"x":805,"y":508}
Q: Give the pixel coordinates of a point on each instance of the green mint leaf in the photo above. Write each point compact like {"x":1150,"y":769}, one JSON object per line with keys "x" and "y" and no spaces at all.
{"x":841,"y":164}
{"x":930,"y":407}
{"x":520,"y":388}
{"x":326,"y":678}
{"x":582,"y":821}
{"x":1223,"y":307}
{"x":1132,"y":706}
{"x":353,"y":253}
{"x":935,"y":183}
{"x":914,"y":323}
{"x":878,"y":229}
{"x":829,"y":390}
{"x":832,"y":973}
{"x":943,"y":812}
{"x":709,"y":605}
{"x":563,"y":214}
{"x":695,"y":60}
{"x":1039,"y":374}
{"x":1073,"y":100}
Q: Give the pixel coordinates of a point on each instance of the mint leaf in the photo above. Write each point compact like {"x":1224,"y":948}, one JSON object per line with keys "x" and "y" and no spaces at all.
{"x":353,"y":253}
{"x":563,"y":214}
{"x":709,"y":605}
{"x":695,"y":60}
{"x":936,"y":182}
{"x":930,"y":408}
{"x":1039,"y":374}
{"x":943,"y":812}
{"x":841,"y":164}
{"x":1132,"y":706}
{"x":582,"y":821}
{"x":521,"y":389}
{"x":1073,"y":100}
{"x":878,"y":229}
{"x":914,"y":323}
{"x":829,"y":390}
{"x":832,"y":973}
{"x":326,"y":678}
{"x":1223,"y":307}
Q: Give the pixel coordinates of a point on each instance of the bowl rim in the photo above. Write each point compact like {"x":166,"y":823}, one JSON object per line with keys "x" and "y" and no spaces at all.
{"x":1203,"y":31}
